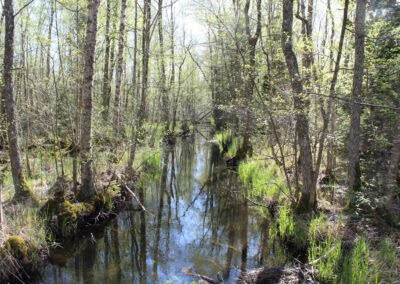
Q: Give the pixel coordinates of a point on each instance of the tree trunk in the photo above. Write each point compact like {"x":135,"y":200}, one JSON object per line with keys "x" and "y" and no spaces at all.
{"x":307,"y":200}
{"x":52,"y":11}
{"x":250,"y":76}
{"x":163,"y":86}
{"x":106,"y":80}
{"x":327,"y":115}
{"x":1,"y":198}
{"x":120,"y":60}
{"x":135,"y":52}
{"x":394,"y":165}
{"x":22,"y":190}
{"x":145,"y":74}
{"x":354,"y":172}
{"x":87,"y":183}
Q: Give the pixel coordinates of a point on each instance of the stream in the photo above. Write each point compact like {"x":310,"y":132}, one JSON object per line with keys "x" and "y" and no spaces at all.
{"x":196,"y":220}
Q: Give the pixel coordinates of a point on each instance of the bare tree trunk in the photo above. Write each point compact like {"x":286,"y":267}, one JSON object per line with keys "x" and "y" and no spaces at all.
{"x":22,"y":190}
{"x":87,"y":183}
{"x":1,"y":197}
{"x":135,"y":52}
{"x":307,"y":200}
{"x":106,"y":80}
{"x":354,"y":172}
{"x":120,"y":60}
{"x":327,"y":115}
{"x":164,"y":91}
{"x":52,"y":11}
{"x":250,"y":76}
{"x":172,"y":78}
{"x":394,"y":165}
{"x":145,"y":75}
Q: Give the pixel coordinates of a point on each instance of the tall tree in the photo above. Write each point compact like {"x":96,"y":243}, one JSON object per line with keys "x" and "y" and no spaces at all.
{"x":22,"y":190}
{"x":141,"y":114}
{"x":327,"y":115}
{"x":250,"y":70}
{"x":87,"y":184}
{"x":354,"y":171}
{"x":308,"y":195}
{"x":106,"y":79}
{"x":163,"y":83}
{"x":120,"y":62}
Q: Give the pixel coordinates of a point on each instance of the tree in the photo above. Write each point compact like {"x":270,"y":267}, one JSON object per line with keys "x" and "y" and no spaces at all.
{"x":87,"y":183}
{"x":106,"y":92}
{"x":164,"y":91}
{"x":141,"y":114}
{"x":120,"y":61}
{"x":22,"y":190}
{"x":307,"y":200}
{"x":354,"y":171}
{"x":250,"y":74}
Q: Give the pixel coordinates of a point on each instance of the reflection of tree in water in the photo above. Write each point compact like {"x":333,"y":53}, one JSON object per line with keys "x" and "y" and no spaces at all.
{"x":141,"y":247}
{"x":162,"y":189}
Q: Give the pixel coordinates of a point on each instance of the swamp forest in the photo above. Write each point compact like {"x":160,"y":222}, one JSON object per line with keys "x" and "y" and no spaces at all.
{"x":200,"y":141}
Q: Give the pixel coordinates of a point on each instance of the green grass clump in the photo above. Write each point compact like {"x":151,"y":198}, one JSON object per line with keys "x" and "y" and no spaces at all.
{"x":152,"y":162}
{"x":262,"y":179}
{"x":289,"y":227}
{"x":386,"y":263}
{"x":234,"y":147}
{"x":325,"y":249}
{"x":356,"y":265}
{"x":223,"y":138}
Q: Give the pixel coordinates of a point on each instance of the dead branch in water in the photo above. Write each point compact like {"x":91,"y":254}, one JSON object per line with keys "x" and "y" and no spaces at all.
{"x":187,"y":271}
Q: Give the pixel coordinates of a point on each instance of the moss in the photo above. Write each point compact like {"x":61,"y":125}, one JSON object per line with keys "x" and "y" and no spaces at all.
{"x":25,"y":193}
{"x":18,"y":248}
{"x":66,"y":218}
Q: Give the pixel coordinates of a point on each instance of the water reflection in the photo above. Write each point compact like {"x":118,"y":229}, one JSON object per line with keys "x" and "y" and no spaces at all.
{"x":198,"y":219}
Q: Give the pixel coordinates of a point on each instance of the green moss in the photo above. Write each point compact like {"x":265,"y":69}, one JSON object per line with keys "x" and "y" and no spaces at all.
{"x":17,"y":247}
{"x":25,"y":193}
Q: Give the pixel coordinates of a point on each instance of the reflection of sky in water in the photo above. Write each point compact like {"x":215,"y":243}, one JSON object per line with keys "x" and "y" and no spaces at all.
{"x":197,"y":234}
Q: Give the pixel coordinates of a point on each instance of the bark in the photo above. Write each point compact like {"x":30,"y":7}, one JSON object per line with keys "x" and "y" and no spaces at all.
{"x":163,"y":86}
{"x":354,"y":172}
{"x":307,"y":200}
{"x":250,"y":76}
{"x":120,"y":62}
{"x":106,"y":80}
{"x":1,"y":198}
{"x":134,"y":71}
{"x":394,"y":164}
{"x":327,"y":115}
{"x":145,"y":74}
{"x":52,"y":11}
{"x":22,"y":190}
{"x":87,"y":184}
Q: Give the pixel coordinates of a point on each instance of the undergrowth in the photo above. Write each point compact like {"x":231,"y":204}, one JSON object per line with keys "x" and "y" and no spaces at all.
{"x":262,"y":179}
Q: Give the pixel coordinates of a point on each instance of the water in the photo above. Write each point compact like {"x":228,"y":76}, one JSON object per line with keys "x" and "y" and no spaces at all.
{"x":197,"y":219}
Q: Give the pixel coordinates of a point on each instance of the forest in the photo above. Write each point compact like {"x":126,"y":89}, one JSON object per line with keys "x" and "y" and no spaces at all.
{"x":200,"y":141}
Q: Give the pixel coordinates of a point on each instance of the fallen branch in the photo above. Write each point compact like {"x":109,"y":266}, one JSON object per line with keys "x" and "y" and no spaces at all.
{"x":137,"y":200}
{"x":187,"y":271}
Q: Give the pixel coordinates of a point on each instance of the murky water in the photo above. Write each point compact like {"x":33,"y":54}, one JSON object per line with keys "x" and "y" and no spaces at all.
{"x":197,"y":220}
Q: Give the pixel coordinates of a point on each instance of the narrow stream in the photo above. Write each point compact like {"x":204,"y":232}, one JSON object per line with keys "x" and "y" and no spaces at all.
{"x":197,"y":220}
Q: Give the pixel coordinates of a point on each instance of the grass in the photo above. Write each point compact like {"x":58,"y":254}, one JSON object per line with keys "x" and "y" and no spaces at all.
{"x":264,"y":180}
{"x":289,"y":227}
{"x":386,"y":262}
{"x":325,"y":247}
{"x":356,"y":264}
{"x":322,"y":238}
